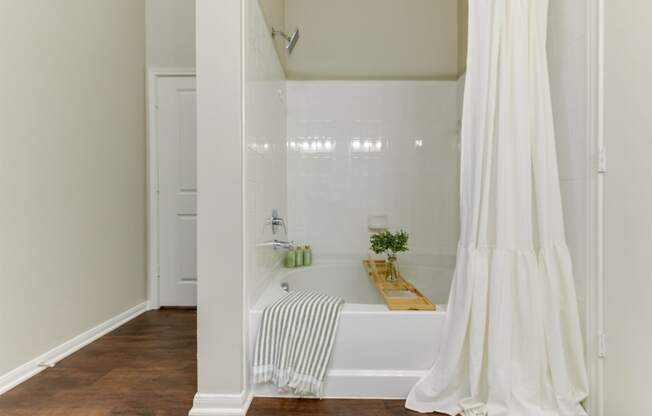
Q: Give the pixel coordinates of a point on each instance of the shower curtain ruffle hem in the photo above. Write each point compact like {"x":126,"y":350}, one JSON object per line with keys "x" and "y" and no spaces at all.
{"x":526,"y":300}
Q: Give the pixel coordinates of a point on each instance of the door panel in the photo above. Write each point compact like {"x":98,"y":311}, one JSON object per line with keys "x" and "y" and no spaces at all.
{"x":177,"y":175}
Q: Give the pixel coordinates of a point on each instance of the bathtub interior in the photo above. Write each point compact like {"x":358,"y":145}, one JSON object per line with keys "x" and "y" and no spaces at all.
{"x":344,"y":280}
{"x":349,"y":280}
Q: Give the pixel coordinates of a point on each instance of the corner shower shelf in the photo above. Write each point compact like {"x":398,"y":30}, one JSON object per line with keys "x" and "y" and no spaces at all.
{"x":399,"y":295}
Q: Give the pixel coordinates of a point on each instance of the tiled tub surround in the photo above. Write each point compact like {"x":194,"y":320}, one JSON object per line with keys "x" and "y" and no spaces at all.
{"x":265,"y":154}
{"x":358,"y":148}
{"x":378,"y":353}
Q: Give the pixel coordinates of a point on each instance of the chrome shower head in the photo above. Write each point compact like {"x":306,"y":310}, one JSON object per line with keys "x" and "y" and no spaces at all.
{"x":291,"y":40}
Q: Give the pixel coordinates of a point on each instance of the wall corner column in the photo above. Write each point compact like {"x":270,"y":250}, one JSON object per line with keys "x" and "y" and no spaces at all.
{"x":220,"y":271}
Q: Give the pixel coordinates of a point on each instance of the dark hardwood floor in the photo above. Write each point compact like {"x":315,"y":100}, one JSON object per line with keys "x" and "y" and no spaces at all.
{"x":144,"y":368}
{"x":296,"y":407}
{"x":148,"y":368}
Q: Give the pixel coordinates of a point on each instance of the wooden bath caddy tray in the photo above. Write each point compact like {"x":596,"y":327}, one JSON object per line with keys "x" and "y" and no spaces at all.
{"x":377,"y":270}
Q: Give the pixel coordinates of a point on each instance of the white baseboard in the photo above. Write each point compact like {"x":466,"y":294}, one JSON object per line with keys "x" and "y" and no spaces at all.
{"x":221,"y":404}
{"x":49,"y":359}
{"x":358,"y":384}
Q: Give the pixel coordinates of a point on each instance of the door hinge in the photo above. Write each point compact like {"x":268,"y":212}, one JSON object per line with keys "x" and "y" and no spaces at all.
{"x":602,"y":345}
{"x":602,"y":160}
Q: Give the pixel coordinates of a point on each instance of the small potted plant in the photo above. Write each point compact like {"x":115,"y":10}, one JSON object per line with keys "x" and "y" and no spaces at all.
{"x":390,"y":244}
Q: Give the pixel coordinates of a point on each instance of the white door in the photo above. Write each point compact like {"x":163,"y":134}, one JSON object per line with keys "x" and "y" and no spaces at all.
{"x":176,"y":123}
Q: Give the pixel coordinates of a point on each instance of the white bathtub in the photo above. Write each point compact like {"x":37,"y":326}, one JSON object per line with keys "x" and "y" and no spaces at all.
{"x":378,"y":353}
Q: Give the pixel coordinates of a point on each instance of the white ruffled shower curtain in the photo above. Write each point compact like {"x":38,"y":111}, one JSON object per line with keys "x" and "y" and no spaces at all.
{"x":512,"y":344}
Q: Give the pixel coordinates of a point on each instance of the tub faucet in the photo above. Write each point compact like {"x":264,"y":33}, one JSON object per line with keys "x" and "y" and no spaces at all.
{"x":277,"y":244}
{"x":276,"y":222}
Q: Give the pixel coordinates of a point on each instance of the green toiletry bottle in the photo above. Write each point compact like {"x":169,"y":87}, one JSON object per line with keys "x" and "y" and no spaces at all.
{"x":307,"y":256}
{"x":291,"y":259}
{"x":299,"y":257}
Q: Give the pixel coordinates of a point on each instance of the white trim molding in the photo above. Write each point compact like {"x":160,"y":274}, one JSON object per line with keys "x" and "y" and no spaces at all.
{"x":153,"y":74}
{"x":595,"y":282}
{"x":221,"y":404}
{"x":51,"y":358}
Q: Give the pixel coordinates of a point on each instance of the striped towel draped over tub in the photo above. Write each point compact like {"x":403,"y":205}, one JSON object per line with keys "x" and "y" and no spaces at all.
{"x":295,"y":340}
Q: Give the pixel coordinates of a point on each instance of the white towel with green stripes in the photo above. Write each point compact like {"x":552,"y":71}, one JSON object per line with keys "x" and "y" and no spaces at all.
{"x":295,"y":341}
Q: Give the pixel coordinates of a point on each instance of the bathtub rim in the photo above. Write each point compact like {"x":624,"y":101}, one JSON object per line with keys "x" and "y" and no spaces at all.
{"x":272,"y":291}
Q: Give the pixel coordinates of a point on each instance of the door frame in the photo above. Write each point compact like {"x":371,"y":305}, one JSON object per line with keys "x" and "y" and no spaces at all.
{"x":595,"y":309}
{"x":153,"y":270}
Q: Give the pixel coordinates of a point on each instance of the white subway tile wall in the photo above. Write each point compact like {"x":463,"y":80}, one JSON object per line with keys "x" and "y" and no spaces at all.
{"x":360,"y":148}
{"x":265,"y":150}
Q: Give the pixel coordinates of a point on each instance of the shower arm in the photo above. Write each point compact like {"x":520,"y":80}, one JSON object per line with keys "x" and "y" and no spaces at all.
{"x":281,"y":33}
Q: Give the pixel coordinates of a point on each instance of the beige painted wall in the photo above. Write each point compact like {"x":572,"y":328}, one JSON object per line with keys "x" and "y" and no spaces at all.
{"x":274,"y":13}
{"x":381,"y":39}
{"x":72,"y":169}
{"x":170,"y":33}
{"x":628,"y":208}
{"x":419,"y":39}
{"x":462,"y":34}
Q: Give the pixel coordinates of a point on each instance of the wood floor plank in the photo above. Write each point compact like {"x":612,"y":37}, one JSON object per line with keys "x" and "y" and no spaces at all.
{"x":296,"y":407}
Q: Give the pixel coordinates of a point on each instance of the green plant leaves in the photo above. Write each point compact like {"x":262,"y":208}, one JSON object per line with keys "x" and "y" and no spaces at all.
{"x":390,"y":243}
